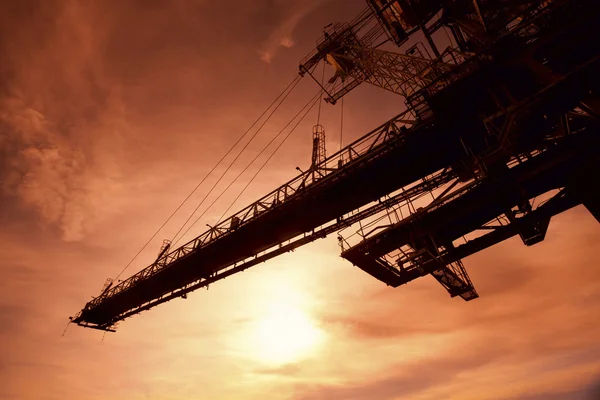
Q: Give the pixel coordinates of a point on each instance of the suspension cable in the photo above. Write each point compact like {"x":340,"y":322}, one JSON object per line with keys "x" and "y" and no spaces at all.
{"x":229,"y":166}
{"x":266,"y":161}
{"x":313,"y":100}
{"x":321,"y":94}
{"x":289,"y":87}
{"x":342,"y":124}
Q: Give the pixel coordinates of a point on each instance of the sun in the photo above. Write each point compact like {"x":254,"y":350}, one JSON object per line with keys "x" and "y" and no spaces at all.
{"x":279,"y":326}
{"x":284,"y":334}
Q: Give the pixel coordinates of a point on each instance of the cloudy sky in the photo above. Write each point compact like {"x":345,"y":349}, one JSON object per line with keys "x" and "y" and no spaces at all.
{"x":111,"y":112}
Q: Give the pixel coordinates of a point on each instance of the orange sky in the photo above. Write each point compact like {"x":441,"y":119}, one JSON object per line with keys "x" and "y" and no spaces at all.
{"x":111,"y":112}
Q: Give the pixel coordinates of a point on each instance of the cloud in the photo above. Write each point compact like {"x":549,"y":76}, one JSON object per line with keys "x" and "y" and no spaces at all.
{"x":406,"y":380}
{"x":551,"y":395}
{"x":541,"y":330}
{"x":592,"y":392}
{"x":582,"y":388}
{"x":58,"y":116}
{"x":283,"y":370}
{"x":290,"y":14}
{"x":47,"y":172}
{"x":38,"y":167}
{"x":376,"y":328}
{"x":287,"y":42}
{"x":11,"y":319}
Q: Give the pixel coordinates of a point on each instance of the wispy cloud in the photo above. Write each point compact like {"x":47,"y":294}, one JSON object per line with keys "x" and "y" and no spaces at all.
{"x":290,"y":14}
{"x":53,"y":117}
{"x":406,"y":380}
{"x":284,"y":370}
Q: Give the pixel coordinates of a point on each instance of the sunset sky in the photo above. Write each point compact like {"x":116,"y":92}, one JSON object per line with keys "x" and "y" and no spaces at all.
{"x":112,"y":111}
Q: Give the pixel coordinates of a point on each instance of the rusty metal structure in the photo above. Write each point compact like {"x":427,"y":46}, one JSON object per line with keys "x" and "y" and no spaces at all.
{"x":502,"y":108}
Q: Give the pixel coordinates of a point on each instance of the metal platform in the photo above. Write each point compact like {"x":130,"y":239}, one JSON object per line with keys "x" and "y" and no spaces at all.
{"x":426,"y":238}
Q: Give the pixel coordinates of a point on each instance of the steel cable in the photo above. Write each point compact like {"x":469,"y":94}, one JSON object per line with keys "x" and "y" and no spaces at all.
{"x":312,"y":101}
{"x":288,"y":89}
{"x":228,"y":168}
{"x":266,"y":161}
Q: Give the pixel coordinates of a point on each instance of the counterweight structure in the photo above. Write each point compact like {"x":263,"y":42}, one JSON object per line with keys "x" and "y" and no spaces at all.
{"x":504,"y":112}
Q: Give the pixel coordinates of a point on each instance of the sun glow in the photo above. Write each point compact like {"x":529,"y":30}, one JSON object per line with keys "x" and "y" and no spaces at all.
{"x":279,"y":327}
{"x":285,"y":334}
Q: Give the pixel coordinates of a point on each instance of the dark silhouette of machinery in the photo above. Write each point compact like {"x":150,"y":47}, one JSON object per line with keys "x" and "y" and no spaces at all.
{"x":501,"y":110}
